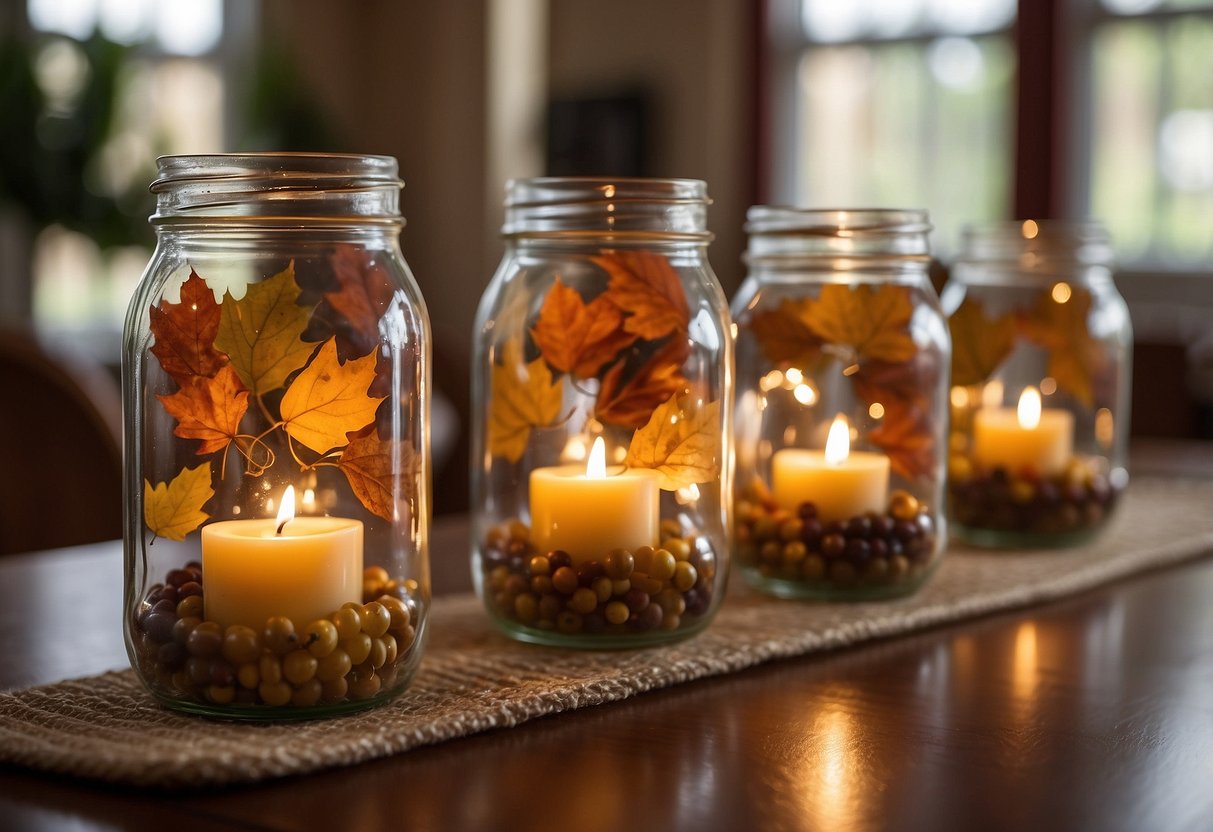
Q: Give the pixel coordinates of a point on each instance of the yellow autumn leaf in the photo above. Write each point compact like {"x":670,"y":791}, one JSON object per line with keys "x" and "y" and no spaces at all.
{"x":523,"y":396}
{"x":874,"y":321}
{"x":174,"y":509}
{"x":329,"y":399}
{"x":979,"y":343}
{"x":262,"y":333}
{"x":681,"y":442}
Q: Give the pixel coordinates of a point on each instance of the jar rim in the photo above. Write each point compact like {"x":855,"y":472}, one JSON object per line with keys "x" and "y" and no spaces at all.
{"x":619,"y":208}
{"x":565,"y":190}
{"x":183,"y":168}
{"x":1083,"y":241}
{"x":835,"y":222}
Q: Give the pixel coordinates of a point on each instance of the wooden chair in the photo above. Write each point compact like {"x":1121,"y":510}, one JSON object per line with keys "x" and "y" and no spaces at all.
{"x":60,"y":425}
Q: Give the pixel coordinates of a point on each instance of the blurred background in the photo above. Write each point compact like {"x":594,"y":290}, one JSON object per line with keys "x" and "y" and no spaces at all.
{"x":974,"y":109}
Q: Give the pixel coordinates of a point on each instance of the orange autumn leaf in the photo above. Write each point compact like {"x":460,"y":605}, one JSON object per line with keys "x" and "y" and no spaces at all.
{"x":873,"y":321}
{"x":1075,"y":358}
{"x":209,"y":409}
{"x":879,"y":381}
{"x":523,"y":397}
{"x":576,"y":337}
{"x":185,"y":332}
{"x":364,"y":293}
{"x":262,"y":332}
{"x":328,"y":399}
{"x":647,"y":290}
{"x":681,"y":442}
{"x":904,"y":434}
{"x":174,"y":509}
{"x":371,"y":465}
{"x":629,"y":398}
{"x":980,"y":343}
{"x":784,"y":333}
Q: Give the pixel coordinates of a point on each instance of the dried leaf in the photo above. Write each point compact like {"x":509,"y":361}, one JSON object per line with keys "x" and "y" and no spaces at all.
{"x":873,"y":321}
{"x":364,"y":295}
{"x":576,"y":337}
{"x":523,"y":396}
{"x":329,"y":400}
{"x":784,"y":333}
{"x":370,"y":464}
{"x":1075,"y":358}
{"x":209,"y":409}
{"x":880,"y":381}
{"x":647,"y":289}
{"x":261,"y":332}
{"x":979,"y":343}
{"x":905,"y":436}
{"x":185,"y":332}
{"x":681,"y":441}
{"x":629,"y":398}
{"x":174,"y":509}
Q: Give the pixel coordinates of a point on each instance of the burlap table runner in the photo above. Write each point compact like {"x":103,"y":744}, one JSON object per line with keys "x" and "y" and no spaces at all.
{"x":473,"y":679}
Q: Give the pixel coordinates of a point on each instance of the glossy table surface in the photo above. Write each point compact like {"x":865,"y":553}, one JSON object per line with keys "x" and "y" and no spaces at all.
{"x":1092,"y":713}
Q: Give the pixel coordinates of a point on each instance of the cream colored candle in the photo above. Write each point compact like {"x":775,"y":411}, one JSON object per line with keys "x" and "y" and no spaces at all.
{"x":1026,"y":438}
{"x":587,"y":512}
{"x":301,"y":567}
{"x":840,"y":482}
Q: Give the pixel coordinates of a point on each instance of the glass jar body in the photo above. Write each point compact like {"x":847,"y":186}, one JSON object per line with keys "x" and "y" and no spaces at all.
{"x":1040,"y":385}
{"x":842,"y":355}
{"x":276,"y":352}
{"x":601,"y":408}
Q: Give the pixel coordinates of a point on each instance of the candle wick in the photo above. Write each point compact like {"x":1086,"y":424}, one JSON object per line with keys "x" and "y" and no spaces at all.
{"x":282,"y":525}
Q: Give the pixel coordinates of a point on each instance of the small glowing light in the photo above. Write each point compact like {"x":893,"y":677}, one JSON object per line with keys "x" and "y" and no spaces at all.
{"x":1104,"y":427}
{"x":1025,"y":671}
{"x":574,"y":449}
{"x":771,"y":380}
{"x":851,"y":370}
{"x":838,"y":443}
{"x":1048,"y":386}
{"x":733,"y":331}
{"x":1029,"y":408}
{"x":794,"y":376}
{"x":688,"y":495}
{"x":620,"y":454}
{"x":1030,"y":229}
{"x":960,"y":397}
{"x":876,"y":411}
{"x":609,"y":191}
{"x":287,"y":512}
{"x":309,"y":498}
{"x":1061,"y":292}
{"x":991,"y":394}
{"x":805,"y":394}
{"x":610,"y":207}
{"x":595,"y":468}
{"x":235,"y":509}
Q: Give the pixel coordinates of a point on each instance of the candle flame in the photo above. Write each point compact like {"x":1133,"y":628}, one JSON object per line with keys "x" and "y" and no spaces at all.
{"x":1029,"y":408}
{"x":838,"y":442}
{"x":595,"y":468}
{"x":286,"y":513}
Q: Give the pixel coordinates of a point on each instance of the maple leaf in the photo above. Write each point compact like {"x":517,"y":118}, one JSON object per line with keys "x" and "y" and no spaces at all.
{"x":174,"y":509}
{"x":364,"y":295}
{"x":370,"y":464}
{"x":209,"y":409}
{"x":875,"y":322}
{"x":647,"y":289}
{"x":261,"y":332}
{"x":681,"y":442}
{"x":328,"y":399}
{"x":979,"y":343}
{"x":629,"y":399}
{"x":904,"y":434}
{"x":523,"y":396}
{"x":1075,"y":358}
{"x":879,"y":381}
{"x":576,"y":337}
{"x":185,"y":332}
{"x":784,"y":333}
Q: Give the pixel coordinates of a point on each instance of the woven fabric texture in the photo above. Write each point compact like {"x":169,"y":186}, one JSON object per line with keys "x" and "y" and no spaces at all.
{"x":474,"y":679}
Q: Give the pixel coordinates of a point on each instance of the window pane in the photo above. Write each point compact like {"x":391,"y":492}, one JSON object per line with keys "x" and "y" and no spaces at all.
{"x":908,"y":125}
{"x":1152,"y":139}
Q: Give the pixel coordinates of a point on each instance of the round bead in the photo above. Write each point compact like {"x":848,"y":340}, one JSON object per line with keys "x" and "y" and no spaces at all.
{"x":617,"y":612}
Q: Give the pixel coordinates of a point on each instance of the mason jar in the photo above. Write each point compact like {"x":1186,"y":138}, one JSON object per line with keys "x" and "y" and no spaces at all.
{"x":276,"y":391}
{"x":601,"y":416}
{"x":1040,"y":384}
{"x":842,"y":366}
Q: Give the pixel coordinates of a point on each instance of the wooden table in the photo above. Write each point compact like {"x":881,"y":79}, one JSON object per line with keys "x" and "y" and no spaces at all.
{"x":1092,"y":713}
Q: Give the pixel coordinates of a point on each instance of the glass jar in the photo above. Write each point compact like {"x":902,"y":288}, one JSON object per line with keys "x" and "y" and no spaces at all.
{"x":276,"y":392}
{"x":842,"y":354}
{"x":1040,"y":384}
{"x":601,"y":412}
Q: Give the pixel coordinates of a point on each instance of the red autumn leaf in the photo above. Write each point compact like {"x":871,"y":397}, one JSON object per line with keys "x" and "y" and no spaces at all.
{"x":905,"y":436}
{"x":576,"y":337}
{"x":880,"y":381}
{"x":364,"y":295}
{"x":185,"y":332}
{"x":646,"y":288}
{"x":629,"y":397}
{"x":209,"y":409}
